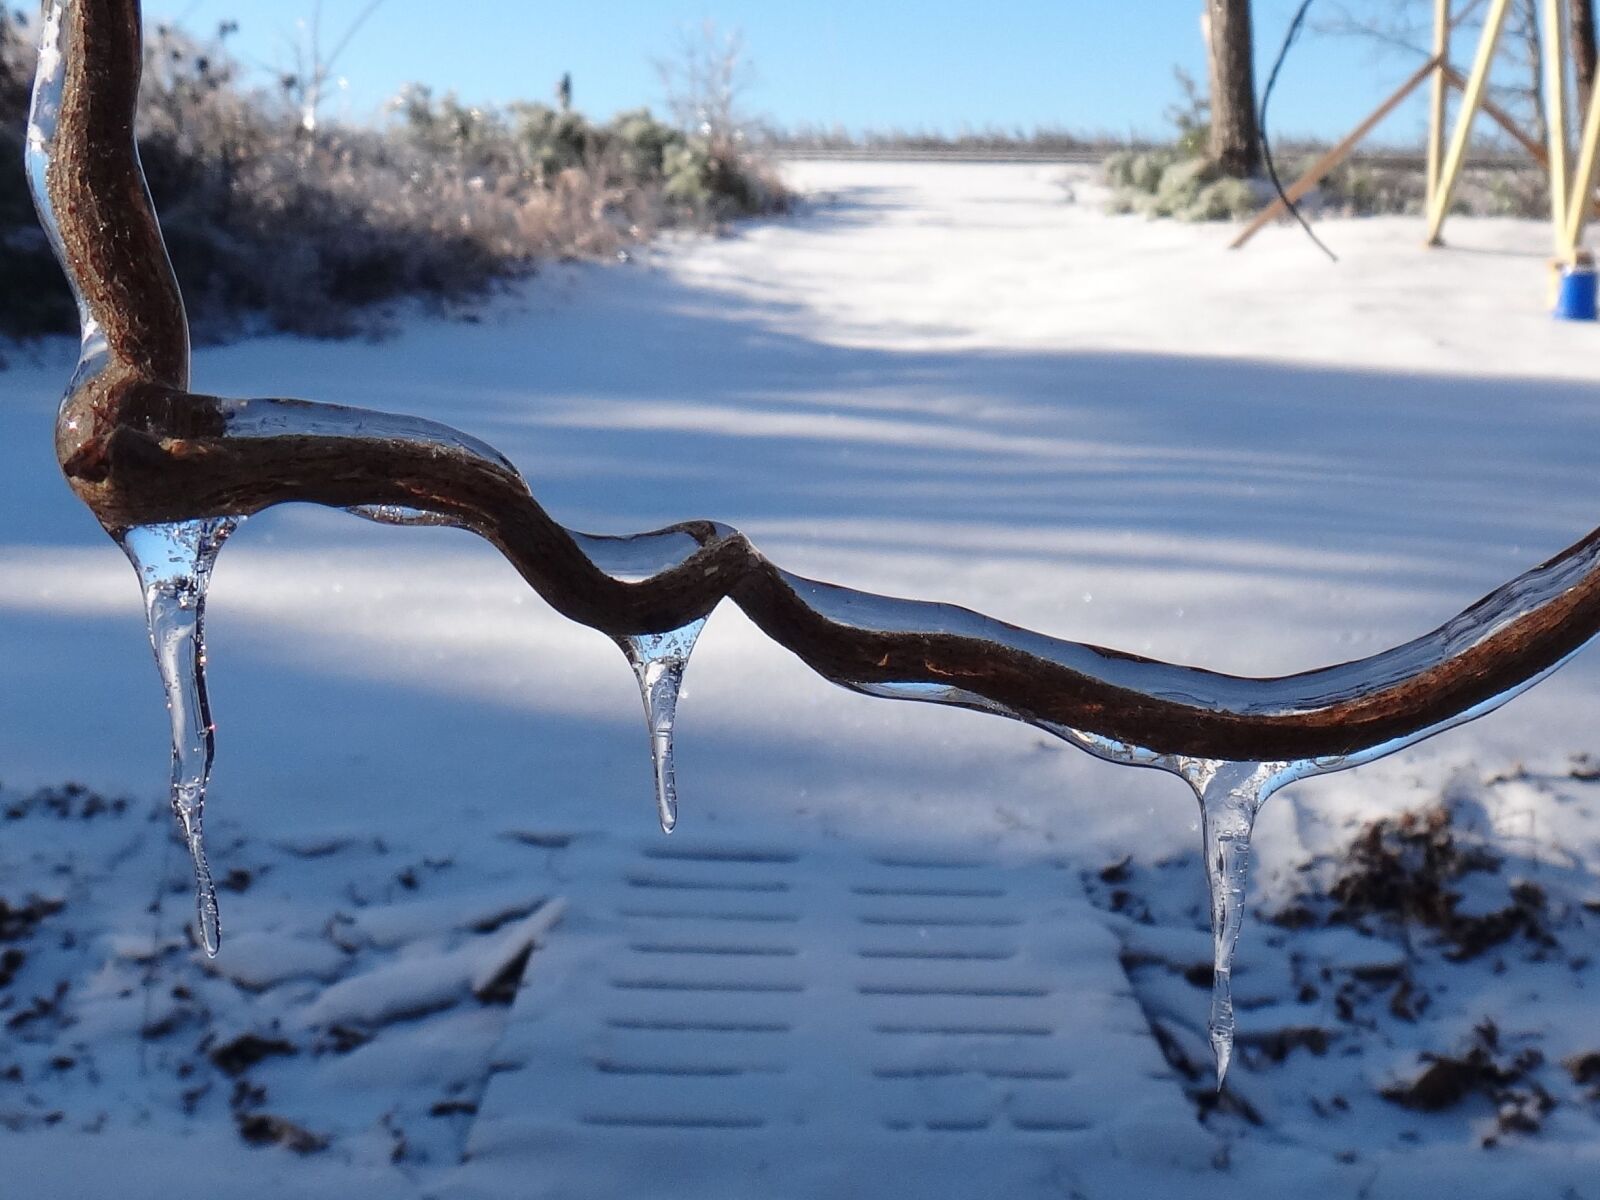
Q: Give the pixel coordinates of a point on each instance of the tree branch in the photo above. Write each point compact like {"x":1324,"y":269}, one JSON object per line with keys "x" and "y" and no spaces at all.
{"x":139,"y":448}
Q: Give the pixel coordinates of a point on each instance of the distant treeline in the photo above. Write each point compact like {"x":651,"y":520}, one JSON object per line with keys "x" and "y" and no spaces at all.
{"x":816,"y":139}
{"x":804,"y":139}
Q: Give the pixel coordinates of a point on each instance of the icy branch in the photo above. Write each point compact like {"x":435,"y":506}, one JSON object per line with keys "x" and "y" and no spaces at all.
{"x":141,"y":450}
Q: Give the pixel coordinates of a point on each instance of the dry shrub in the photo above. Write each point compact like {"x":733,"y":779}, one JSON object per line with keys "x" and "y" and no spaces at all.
{"x":1412,"y":870}
{"x":270,"y":226}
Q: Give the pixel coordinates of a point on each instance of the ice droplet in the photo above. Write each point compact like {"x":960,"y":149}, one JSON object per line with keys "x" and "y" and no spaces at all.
{"x":174,"y":563}
{"x":658,"y":661}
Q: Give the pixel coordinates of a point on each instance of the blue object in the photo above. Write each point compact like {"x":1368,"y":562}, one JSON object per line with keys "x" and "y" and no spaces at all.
{"x":1575,"y":301}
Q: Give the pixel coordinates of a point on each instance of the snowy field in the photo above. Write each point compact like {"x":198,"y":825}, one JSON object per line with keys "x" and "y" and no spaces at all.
{"x":891,"y":949}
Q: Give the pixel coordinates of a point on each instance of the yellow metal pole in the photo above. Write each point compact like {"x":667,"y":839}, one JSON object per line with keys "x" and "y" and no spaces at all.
{"x":1455,"y":157}
{"x":1578,"y":205}
{"x":1555,"y":75}
{"x":1441,"y":94}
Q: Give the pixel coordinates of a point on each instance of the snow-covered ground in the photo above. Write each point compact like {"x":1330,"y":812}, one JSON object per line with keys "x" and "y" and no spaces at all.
{"x":963,"y":383}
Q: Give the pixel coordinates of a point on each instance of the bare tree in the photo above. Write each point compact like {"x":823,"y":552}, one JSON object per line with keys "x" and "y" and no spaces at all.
{"x":313,"y":68}
{"x":705,"y":84}
{"x":1235,"y":144}
{"x":1523,"y":41}
{"x":1583,"y":49}
{"x":1404,"y":28}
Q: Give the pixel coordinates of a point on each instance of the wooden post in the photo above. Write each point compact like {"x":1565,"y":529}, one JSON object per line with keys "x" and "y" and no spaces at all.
{"x":1578,"y":203}
{"x":1334,"y":156}
{"x":1441,"y":94}
{"x":1555,"y":77}
{"x":1455,"y":157}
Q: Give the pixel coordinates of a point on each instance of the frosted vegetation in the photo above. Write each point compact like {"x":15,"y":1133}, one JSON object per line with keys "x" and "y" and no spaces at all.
{"x":1170,"y":181}
{"x":443,"y":202}
{"x":1178,"y":180}
{"x":995,"y":139}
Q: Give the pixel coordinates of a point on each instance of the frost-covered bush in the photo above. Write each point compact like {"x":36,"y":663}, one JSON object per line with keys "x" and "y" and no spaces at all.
{"x":532,"y":145}
{"x":1361,"y":190}
{"x":1165,"y":183}
{"x":269,"y":224}
{"x":1367,"y":189}
{"x":1222,"y":199}
{"x":642,"y":142}
{"x":1522,"y":193}
{"x":1181,"y":185}
{"x":1138,"y":170}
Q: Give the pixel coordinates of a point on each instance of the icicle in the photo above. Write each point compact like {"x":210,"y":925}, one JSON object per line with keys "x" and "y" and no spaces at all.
{"x":1230,"y":795}
{"x":174,"y":562}
{"x":658,"y":661}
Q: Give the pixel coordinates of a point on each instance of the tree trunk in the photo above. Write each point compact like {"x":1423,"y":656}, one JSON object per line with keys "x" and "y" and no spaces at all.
{"x":1235,"y":143}
{"x":1583,"y":51}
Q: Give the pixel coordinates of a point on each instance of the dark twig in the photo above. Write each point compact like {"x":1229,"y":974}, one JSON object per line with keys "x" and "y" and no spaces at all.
{"x":1266,"y":143}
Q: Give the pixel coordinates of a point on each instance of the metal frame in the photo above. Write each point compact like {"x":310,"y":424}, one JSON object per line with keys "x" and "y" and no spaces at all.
{"x":1572,"y":183}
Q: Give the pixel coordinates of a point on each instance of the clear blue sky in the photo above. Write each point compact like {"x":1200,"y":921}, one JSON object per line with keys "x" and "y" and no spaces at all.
{"x":1092,"y":65}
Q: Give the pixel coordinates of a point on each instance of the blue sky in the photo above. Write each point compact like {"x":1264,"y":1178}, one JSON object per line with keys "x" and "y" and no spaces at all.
{"x":1093,"y":65}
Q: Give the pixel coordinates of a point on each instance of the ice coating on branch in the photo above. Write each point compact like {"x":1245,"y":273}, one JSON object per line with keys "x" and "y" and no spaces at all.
{"x":277,"y":417}
{"x":43,"y":114}
{"x":174,"y":564}
{"x":399,"y":514}
{"x":1198,"y":691}
{"x":639,"y":557}
{"x":658,"y":661}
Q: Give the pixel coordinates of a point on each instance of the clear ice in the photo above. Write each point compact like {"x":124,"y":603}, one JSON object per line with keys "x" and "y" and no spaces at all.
{"x":174,"y":563}
{"x":658,"y":661}
{"x":399,"y":514}
{"x":1230,"y":795}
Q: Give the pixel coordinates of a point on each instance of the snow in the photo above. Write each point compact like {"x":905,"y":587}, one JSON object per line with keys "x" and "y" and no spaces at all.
{"x":954,"y":382}
{"x":258,"y":960}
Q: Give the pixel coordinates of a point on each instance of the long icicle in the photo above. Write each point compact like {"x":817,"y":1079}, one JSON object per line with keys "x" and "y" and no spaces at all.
{"x":1230,"y":795}
{"x":658,"y":661}
{"x":174,"y":563}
